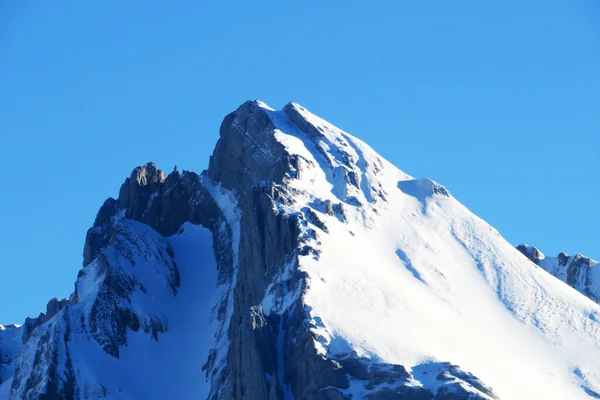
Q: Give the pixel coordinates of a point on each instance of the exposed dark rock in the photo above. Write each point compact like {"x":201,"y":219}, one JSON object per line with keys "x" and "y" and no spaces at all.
{"x":414,"y":393}
{"x":52,"y":308}
{"x":245,"y":158}
{"x":457,"y":391}
{"x":329,"y":207}
{"x":56,"y":378}
{"x":472,"y":380}
{"x":387,"y":373}
{"x":384,"y":394}
{"x":161,"y":201}
{"x":563,"y":259}
{"x":459,"y":384}
{"x":292,"y":110}
{"x":314,"y":219}
{"x":332,"y":209}
{"x":136,"y":191}
{"x":436,"y":188}
{"x":330,"y":394}
{"x":401,"y":393}
{"x":531,"y":252}
{"x":576,"y":271}
{"x":98,"y":236}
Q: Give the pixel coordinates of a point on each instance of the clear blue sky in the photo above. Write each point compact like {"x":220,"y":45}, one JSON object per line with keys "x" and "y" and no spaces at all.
{"x":498,"y":101}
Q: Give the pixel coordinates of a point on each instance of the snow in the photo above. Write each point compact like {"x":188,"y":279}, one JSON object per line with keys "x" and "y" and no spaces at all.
{"x":11,"y":342}
{"x":192,"y":324}
{"x":426,"y":280}
{"x":227,"y":202}
{"x":580,"y":272}
{"x":5,"y":389}
{"x":553,"y":266}
{"x":172,"y":366}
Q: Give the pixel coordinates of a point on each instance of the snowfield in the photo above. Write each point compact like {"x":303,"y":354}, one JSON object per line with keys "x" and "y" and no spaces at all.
{"x":414,"y":278}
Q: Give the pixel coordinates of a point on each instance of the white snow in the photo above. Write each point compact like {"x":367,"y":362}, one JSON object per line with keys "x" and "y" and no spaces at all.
{"x":427,"y":280}
{"x":5,"y":389}
{"x":172,"y":366}
{"x":227,"y":202}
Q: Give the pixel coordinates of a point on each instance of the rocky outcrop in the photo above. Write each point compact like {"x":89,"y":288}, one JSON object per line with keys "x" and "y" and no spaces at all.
{"x":250,"y":162}
{"x":532,"y":253}
{"x":161,"y":201}
{"x":125,"y":257}
{"x":51,"y":374}
{"x":458,"y":384}
{"x":580,"y":272}
{"x":52,"y":308}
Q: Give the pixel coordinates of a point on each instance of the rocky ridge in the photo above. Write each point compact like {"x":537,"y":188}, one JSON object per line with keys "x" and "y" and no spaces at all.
{"x":580,"y":272}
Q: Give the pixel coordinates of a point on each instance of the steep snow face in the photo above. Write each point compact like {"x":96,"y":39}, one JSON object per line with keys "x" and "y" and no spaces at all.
{"x":579,"y":272}
{"x":405,"y":274}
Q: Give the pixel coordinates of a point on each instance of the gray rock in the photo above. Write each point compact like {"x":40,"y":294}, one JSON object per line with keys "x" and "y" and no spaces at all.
{"x":459,"y":384}
{"x":414,"y":393}
{"x":575,"y":271}
{"x":52,"y":308}
{"x":531,"y":252}
{"x":457,"y":391}
{"x":384,"y":394}
{"x":401,"y":393}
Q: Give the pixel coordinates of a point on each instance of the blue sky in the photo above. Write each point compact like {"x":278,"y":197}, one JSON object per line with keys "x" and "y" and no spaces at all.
{"x":498,"y":101}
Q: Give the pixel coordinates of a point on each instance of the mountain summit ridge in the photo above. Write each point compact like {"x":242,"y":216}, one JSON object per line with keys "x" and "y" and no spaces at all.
{"x":301,"y":264}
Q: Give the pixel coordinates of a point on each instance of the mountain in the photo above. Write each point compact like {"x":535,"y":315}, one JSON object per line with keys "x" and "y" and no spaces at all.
{"x":301,"y":265}
{"x":579,"y":272}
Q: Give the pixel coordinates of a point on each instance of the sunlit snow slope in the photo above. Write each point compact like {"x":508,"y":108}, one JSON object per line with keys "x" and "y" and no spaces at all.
{"x":408,"y":275}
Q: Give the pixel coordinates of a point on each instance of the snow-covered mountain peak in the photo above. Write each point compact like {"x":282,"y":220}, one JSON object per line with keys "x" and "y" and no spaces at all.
{"x":301,"y":264}
{"x":394,"y":223}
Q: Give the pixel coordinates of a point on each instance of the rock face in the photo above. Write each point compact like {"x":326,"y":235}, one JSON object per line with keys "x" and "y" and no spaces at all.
{"x":161,"y":201}
{"x":580,"y":272}
{"x":158,"y":313}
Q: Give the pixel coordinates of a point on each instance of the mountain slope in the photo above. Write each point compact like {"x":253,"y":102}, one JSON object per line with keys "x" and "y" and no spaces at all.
{"x":302,"y":265}
{"x":421,"y":261}
{"x":579,"y":272}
